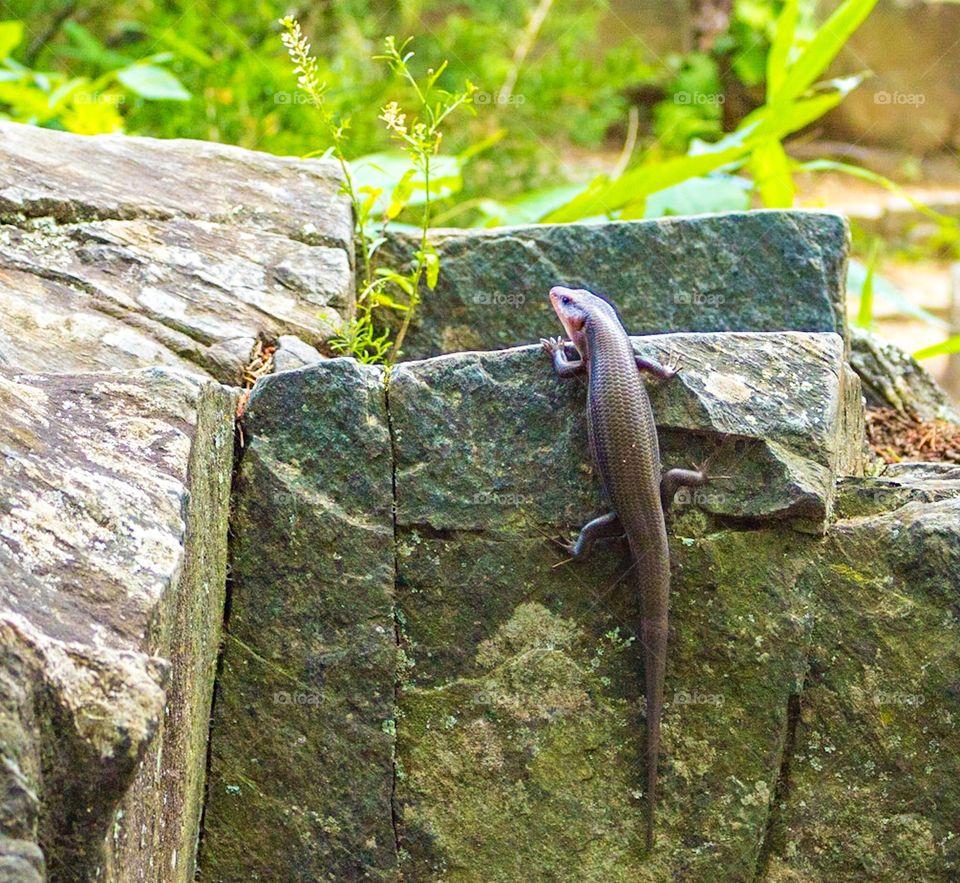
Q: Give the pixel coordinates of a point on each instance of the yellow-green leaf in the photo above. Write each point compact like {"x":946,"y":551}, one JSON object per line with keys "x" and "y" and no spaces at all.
{"x":779,"y":53}
{"x":823,"y":48}
{"x":431,"y":262}
{"x":401,"y":194}
{"x":944,"y":348}
{"x":11,"y":33}
{"x":770,"y":167}
{"x":865,"y":311}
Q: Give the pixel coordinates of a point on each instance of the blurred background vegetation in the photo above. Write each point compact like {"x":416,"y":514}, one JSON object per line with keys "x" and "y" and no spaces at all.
{"x":583,"y":109}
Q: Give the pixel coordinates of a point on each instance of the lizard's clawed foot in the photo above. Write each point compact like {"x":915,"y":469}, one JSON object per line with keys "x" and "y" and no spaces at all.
{"x":673,"y":366}
{"x":552,"y":345}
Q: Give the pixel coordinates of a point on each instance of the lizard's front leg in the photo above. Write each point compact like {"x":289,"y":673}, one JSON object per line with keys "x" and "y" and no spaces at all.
{"x":562,"y":364}
{"x":605,"y":526}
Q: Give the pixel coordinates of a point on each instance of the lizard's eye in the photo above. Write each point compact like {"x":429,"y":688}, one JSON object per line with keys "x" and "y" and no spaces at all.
{"x":566,"y":301}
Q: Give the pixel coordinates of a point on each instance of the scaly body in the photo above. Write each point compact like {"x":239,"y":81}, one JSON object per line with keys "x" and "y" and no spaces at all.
{"x":624,"y":445}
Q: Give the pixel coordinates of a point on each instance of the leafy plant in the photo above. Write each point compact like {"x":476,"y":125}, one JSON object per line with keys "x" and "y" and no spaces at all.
{"x":419,"y":138}
{"x":87,"y":105}
{"x":793,"y":101}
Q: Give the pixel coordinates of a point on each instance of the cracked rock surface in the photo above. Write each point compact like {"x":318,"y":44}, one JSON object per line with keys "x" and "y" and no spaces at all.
{"x":119,"y":252}
{"x":113,"y":507}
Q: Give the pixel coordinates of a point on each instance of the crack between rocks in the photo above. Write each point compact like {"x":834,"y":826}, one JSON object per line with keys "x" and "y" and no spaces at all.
{"x":781,"y":790}
{"x":394,"y":816}
{"x":238,"y":451}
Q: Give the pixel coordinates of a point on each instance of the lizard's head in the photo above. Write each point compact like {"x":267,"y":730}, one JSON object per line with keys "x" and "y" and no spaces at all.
{"x":575,"y":307}
{"x":572,"y":309}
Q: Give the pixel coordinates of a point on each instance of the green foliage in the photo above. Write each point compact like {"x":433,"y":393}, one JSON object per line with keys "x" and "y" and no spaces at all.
{"x":791,"y":104}
{"x":567,"y":88}
{"x":694,"y":104}
{"x":86,"y":104}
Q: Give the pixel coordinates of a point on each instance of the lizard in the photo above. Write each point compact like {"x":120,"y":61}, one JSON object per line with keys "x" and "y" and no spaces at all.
{"x":624,"y":445}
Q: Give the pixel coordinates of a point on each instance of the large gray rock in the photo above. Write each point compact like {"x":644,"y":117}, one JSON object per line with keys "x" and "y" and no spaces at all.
{"x":755,"y":271}
{"x":120,"y":252}
{"x":301,"y":775}
{"x":114,"y":491}
{"x":516,"y":729}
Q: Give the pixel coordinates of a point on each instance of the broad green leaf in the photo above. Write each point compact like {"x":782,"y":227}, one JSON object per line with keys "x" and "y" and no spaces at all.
{"x":770,"y":167}
{"x":718,"y":192}
{"x":944,"y":348}
{"x":608,"y":196}
{"x":153,"y":83}
{"x":11,"y":33}
{"x":779,"y":53}
{"x":781,"y":119}
{"x":384,"y":171}
{"x":830,"y":38}
{"x":525,"y":209}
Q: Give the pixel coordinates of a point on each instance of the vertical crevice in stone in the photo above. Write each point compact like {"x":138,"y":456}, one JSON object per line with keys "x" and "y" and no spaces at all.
{"x":773,"y":837}
{"x":394,"y":820}
{"x":238,"y":450}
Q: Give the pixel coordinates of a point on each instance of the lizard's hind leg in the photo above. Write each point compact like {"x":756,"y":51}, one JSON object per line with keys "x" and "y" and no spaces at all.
{"x":605,"y":526}
{"x":674,"y":479}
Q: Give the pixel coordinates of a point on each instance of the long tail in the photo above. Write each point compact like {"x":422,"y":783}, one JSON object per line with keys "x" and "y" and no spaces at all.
{"x":654,"y":633}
